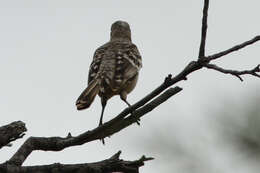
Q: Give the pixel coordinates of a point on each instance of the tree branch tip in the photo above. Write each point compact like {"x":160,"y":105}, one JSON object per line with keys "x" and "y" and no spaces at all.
{"x":174,"y":90}
{"x":240,"y":78}
{"x":179,"y":88}
{"x":143,"y":158}
{"x":69,"y":135}
{"x":257,"y":37}
{"x":117,"y":155}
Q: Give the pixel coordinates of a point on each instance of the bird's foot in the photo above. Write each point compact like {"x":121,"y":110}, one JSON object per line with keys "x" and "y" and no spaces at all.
{"x":102,"y":139}
{"x":137,"y":120}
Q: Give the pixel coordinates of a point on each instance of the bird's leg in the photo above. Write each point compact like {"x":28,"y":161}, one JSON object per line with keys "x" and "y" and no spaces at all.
{"x":127,"y":102}
{"x":103,"y":103}
{"x":123,"y":96}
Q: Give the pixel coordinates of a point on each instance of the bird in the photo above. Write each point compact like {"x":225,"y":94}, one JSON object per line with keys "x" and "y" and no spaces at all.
{"x":114,"y":69}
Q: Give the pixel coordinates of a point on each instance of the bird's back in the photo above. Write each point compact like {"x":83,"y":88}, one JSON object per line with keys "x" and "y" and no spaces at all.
{"x":115,"y":63}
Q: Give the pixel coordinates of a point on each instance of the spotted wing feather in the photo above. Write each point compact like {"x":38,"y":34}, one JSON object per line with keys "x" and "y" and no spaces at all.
{"x":95,"y":64}
{"x":127,"y":65}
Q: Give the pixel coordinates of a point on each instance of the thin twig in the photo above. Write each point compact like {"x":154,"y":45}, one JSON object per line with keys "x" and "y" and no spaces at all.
{"x":204,"y":29}
{"x":140,"y":108}
{"x":236,"y":73}
{"x":235,"y":48}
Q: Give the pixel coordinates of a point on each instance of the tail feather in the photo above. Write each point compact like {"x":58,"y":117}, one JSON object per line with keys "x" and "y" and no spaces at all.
{"x":88,"y":95}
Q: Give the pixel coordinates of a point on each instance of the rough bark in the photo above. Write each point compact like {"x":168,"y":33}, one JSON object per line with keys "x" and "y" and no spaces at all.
{"x":11,"y":132}
{"x":124,"y":119}
{"x":113,"y":164}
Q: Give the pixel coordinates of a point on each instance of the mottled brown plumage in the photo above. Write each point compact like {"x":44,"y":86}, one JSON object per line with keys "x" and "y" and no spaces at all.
{"x":114,"y":69}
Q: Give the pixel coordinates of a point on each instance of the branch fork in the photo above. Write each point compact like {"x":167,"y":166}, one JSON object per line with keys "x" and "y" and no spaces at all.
{"x":124,"y":119}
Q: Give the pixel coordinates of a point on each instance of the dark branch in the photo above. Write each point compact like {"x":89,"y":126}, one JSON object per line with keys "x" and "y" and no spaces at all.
{"x":107,"y":129}
{"x":113,"y":164}
{"x":236,"y":73}
{"x":204,"y":29}
{"x":137,"y":114}
{"x":139,"y":109}
{"x":235,"y":48}
{"x":11,"y":132}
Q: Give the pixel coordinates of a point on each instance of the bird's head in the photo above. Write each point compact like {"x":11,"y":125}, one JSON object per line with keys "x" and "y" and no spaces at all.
{"x":120,"y":30}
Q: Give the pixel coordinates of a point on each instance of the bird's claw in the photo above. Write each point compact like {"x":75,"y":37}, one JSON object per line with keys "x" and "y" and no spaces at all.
{"x":137,"y":120}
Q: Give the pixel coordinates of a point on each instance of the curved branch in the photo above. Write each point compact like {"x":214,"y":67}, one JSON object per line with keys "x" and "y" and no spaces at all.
{"x":107,"y":129}
{"x":113,"y":164}
{"x":11,"y":132}
{"x":138,"y":109}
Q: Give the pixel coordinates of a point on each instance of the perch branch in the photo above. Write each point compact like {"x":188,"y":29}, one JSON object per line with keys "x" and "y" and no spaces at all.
{"x":107,"y":129}
{"x":139,"y":109}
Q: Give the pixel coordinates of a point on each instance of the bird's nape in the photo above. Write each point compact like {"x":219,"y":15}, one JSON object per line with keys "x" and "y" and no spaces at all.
{"x":120,"y":30}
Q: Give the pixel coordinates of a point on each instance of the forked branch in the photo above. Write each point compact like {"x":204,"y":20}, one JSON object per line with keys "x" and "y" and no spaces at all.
{"x":125,"y":118}
{"x":236,"y":73}
{"x":107,"y":129}
{"x":113,"y":164}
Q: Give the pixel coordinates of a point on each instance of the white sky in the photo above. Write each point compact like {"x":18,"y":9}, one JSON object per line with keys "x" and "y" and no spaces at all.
{"x":47,"y":46}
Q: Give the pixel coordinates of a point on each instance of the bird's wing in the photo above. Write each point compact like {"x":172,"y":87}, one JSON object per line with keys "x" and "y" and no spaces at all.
{"x":95,"y":64}
{"x":134,"y":62}
{"x":127,"y":65}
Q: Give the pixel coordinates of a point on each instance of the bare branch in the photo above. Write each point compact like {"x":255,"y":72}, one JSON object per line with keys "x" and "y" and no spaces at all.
{"x":124,"y":122}
{"x":204,"y":29}
{"x":235,"y":48}
{"x":11,"y":132}
{"x":107,"y":129}
{"x":236,"y":73}
{"x":113,"y":164}
{"x":129,"y":115}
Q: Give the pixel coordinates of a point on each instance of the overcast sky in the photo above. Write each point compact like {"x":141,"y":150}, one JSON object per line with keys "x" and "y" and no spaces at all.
{"x":46,"y":48}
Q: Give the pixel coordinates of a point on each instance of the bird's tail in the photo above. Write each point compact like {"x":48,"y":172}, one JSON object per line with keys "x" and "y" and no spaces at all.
{"x":88,"y":95}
